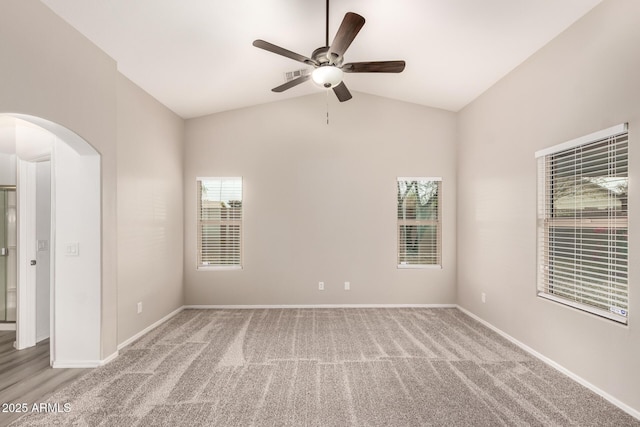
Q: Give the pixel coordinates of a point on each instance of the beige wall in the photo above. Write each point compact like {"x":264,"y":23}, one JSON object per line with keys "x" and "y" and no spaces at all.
{"x":320,"y":200}
{"x":51,"y":71}
{"x":150,"y":209}
{"x":583,"y":81}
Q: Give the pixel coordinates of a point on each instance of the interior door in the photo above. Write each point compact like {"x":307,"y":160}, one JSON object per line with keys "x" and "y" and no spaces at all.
{"x":26,"y":295}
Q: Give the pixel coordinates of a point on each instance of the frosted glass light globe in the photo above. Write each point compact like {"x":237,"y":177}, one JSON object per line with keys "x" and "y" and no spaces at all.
{"x":327,"y":76}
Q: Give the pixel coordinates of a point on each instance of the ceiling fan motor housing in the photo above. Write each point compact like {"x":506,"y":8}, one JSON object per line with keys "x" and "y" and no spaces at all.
{"x":321,"y":56}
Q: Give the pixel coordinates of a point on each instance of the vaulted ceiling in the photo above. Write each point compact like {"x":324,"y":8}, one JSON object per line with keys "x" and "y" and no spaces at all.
{"x":196,"y":56}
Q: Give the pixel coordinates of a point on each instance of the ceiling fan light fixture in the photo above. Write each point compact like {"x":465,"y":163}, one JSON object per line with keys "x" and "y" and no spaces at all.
{"x":327,"y":76}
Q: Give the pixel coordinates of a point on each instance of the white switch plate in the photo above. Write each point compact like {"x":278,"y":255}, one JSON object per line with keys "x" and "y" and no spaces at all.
{"x":483,"y":296}
{"x":347,"y":286}
{"x":73,"y":249}
{"x":139,"y":307}
{"x":43,"y":245}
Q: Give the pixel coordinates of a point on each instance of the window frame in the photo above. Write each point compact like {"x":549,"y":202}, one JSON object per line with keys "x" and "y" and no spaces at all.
{"x":420,"y":222}
{"x":555,"y":227}
{"x":222,"y":222}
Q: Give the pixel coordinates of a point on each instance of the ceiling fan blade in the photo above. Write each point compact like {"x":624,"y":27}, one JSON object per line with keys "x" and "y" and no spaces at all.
{"x":292,"y":83}
{"x":351,"y":25}
{"x":342,"y":92}
{"x":284,"y":52}
{"x":374,"y":67}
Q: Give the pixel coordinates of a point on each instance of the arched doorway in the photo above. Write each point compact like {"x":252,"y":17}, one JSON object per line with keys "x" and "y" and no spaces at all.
{"x":75,"y":239}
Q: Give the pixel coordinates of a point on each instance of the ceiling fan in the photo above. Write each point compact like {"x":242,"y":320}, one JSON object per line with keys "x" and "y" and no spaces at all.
{"x":328,"y":60}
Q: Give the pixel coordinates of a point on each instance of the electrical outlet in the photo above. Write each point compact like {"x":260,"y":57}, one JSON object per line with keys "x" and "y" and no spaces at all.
{"x":139,"y":307}
{"x":483,"y":296}
{"x":347,"y":286}
{"x":321,"y":286}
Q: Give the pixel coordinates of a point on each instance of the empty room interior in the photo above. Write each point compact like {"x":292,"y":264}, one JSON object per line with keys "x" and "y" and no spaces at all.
{"x":274,"y":213}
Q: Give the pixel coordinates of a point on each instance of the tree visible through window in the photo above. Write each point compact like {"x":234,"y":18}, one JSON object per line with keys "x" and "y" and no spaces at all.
{"x":219,"y":222}
{"x":419,"y":231}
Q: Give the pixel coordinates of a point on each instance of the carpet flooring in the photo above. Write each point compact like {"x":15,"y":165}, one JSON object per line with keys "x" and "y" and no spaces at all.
{"x":325,"y":367}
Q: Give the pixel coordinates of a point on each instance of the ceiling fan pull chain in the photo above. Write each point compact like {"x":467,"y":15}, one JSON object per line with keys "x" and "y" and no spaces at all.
{"x":327,"y":100}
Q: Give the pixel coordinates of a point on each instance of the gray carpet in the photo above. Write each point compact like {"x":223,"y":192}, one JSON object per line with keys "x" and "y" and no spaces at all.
{"x":326,"y":367}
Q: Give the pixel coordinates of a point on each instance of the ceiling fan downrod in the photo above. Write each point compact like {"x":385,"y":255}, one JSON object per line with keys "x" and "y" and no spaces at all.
{"x":326,"y":43}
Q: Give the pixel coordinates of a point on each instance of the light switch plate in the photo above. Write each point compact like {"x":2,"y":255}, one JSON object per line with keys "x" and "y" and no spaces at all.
{"x":73,"y":249}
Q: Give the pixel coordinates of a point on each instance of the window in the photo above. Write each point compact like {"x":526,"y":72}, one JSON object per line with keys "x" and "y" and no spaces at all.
{"x":419,"y":230}
{"x":219,"y":222}
{"x":583,"y":223}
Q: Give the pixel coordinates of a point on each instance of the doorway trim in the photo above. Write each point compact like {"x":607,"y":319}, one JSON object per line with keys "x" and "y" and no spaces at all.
{"x":76,"y":279}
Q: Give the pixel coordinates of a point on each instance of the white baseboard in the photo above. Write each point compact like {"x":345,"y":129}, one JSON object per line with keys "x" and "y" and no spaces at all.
{"x":628,"y":409}
{"x":109,"y":358}
{"x":250,"y":307}
{"x":97,"y":363}
{"x":65,"y":364}
{"x":7,"y":326}
{"x":149,"y":328}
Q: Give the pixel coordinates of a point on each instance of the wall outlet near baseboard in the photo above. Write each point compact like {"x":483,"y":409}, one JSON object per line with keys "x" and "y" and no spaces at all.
{"x":347,"y":286}
{"x":321,"y":286}
{"x":139,"y":307}
{"x":483,"y":297}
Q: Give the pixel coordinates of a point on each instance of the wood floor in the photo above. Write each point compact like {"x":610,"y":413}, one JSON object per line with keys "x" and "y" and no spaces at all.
{"x":26,"y":377}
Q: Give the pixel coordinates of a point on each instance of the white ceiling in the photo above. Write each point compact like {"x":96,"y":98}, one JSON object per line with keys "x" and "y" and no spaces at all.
{"x":196,"y":57}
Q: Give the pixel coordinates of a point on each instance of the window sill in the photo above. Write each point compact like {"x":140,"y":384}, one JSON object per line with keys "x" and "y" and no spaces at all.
{"x":218,"y":267}
{"x":419,"y":266}
{"x":586,"y":308}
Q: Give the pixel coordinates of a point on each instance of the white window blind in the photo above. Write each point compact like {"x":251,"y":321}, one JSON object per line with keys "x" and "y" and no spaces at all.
{"x":419,"y":231}
{"x":219,"y":222}
{"x":583,"y":223}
